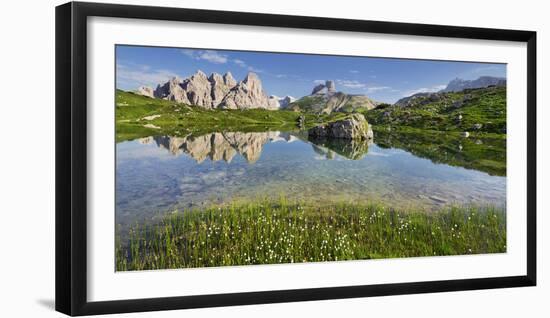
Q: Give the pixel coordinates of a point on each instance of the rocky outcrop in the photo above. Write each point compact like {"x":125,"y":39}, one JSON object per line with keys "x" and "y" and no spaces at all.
{"x":220,"y":86}
{"x":328,"y":89}
{"x":353,"y":127}
{"x":198,"y":89}
{"x":331,"y":87}
{"x":172,"y":90}
{"x":247,"y":94}
{"x":146,"y":91}
{"x":229,"y":80}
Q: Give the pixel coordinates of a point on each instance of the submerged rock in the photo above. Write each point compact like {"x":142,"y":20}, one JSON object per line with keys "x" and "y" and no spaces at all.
{"x":353,"y":127}
{"x":438,"y":199}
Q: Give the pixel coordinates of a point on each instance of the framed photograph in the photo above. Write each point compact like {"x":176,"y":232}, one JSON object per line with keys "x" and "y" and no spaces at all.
{"x":209,"y":158}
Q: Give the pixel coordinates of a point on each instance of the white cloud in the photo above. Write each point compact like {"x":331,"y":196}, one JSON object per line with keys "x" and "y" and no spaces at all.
{"x":190,"y":53}
{"x":354,"y":71}
{"x":138,"y":75}
{"x":250,"y":68}
{"x":374,"y":89}
{"x":240,"y":63}
{"x":432,"y":89}
{"x":498,"y":70}
{"x":206,"y":55}
{"x":213,"y":57}
{"x":351,"y":84}
{"x":253,"y":69}
{"x":319,"y":81}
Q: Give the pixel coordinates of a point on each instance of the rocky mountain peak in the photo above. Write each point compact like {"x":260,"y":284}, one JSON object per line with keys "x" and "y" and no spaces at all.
{"x":198,"y":89}
{"x":318,"y":89}
{"x":220,"y":87}
{"x":214,"y":91}
{"x":229,"y":80}
{"x":216,"y":78}
{"x":329,"y":88}
{"x":247,"y":94}
{"x":252,"y":81}
{"x":199,"y":74}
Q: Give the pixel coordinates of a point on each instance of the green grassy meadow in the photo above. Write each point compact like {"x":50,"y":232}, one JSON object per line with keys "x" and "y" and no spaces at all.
{"x":270,"y":232}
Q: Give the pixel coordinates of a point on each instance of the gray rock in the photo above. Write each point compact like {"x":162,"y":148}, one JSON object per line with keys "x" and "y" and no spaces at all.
{"x":331,"y":87}
{"x":247,"y":94}
{"x":146,"y":91}
{"x":457,"y":104}
{"x":216,"y":91}
{"x":172,"y":90}
{"x":328,"y":89}
{"x":199,"y":90}
{"x":229,"y":80}
{"x":320,"y":89}
{"x":353,"y":127}
{"x":285,"y":101}
{"x":438,"y":199}
{"x":220,"y":86}
{"x":477,"y":126}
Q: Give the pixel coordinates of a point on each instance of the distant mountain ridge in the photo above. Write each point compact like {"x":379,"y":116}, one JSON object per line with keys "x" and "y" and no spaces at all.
{"x":458,"y":84}
{"x":216,"y":91}
{"x":325,"y":99}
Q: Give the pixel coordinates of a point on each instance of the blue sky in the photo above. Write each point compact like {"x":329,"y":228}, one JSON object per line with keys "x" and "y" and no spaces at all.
{"x":383,"y":79}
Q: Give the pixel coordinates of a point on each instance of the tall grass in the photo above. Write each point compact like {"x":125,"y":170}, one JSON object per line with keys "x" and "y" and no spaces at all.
{"x":267,"y":232}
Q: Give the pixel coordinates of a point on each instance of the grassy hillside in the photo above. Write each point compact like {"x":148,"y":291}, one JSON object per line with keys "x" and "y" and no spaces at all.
{"x":476,"y":110}
{"x":138,"y":116}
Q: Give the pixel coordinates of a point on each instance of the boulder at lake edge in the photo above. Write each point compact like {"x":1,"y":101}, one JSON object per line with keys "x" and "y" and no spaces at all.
{"x":353,"y":127}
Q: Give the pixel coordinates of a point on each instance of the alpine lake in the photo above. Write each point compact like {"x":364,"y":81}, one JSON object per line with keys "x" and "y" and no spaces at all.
{"x":156,"y":174}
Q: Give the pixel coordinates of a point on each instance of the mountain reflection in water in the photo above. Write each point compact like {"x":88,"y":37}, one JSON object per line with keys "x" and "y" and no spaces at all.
{"x":225,"y":145}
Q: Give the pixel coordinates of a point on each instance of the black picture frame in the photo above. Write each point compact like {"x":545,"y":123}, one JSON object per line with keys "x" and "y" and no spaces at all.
{"x":71,"y":157}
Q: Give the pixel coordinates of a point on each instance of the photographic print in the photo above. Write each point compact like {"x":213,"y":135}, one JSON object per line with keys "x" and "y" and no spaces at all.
{"x":231,"y":158}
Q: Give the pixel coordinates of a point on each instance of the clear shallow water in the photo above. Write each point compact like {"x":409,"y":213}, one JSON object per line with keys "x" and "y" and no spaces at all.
{"x":159,"y":174}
